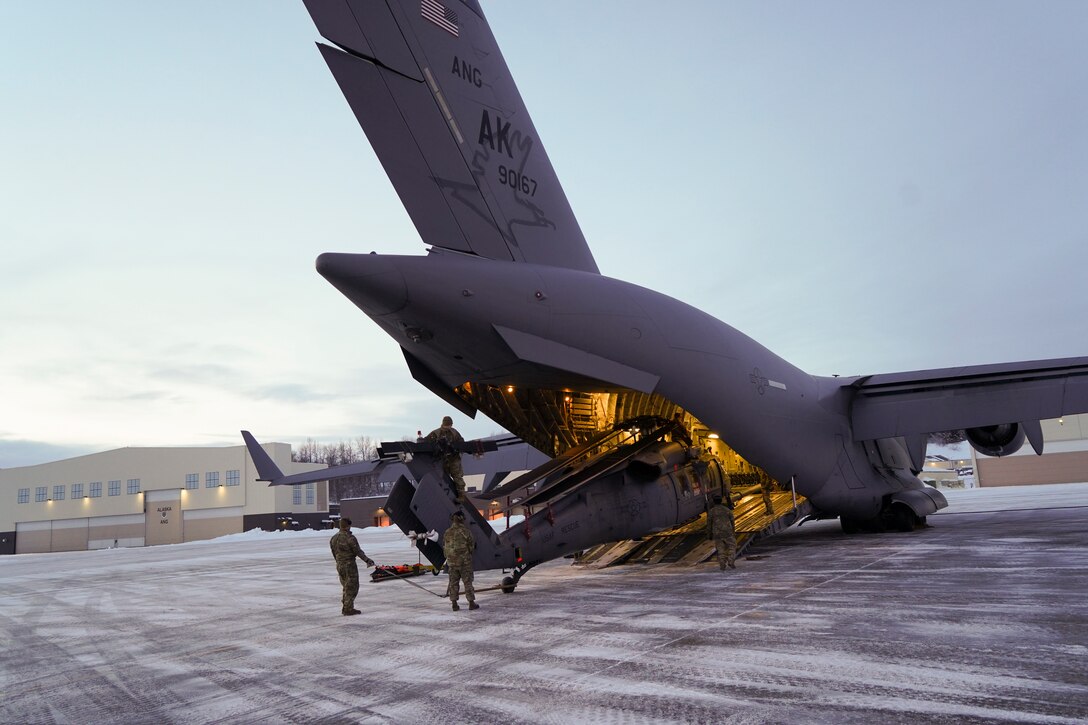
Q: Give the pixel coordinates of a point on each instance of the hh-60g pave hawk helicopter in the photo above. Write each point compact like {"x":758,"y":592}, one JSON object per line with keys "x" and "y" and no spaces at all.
{"x":642,"y":475}
{"x":508,"y":314}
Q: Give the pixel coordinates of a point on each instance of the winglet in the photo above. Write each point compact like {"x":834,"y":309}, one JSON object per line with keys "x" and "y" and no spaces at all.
{"x":267,"y":470}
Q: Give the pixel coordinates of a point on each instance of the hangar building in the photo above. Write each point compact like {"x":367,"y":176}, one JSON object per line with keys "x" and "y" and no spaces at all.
{"x":145,"y":496}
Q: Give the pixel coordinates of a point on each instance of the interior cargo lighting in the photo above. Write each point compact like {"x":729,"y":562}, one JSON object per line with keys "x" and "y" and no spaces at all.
{"x":509,"y":388}
{"x":713,"y":436}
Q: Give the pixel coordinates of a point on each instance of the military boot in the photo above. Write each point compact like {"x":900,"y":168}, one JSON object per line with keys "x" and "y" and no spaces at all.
{"x":473,"y":605}
{"x":455,"y":607}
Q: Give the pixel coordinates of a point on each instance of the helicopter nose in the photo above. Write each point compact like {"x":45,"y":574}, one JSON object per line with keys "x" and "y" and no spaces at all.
{"x":372,"y":281}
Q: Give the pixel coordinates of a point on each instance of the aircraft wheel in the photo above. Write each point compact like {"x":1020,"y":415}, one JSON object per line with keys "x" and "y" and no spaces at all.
{"x":508,"y":585}
{"x":850,"y":526}
{"x":901,"y":518}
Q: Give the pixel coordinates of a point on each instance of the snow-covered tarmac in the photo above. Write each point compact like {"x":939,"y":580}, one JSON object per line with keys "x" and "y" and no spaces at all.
{"x":983,"y":617}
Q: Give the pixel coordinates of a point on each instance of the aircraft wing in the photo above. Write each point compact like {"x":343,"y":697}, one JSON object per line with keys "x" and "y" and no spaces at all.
{"x":431,"y":90}
{"x":925,"y":401}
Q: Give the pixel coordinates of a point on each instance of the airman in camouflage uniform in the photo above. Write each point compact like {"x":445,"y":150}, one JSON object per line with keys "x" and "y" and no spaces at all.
{"x":450,"y":442}
{"x":766,"y":485}
{"x":458,"y":545}
{"x":345,"y":547}
{"x":719,"y":528}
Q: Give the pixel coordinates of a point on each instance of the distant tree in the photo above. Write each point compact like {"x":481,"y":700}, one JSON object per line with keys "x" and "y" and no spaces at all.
{"x":367,"y":447}
{"x":339,"y":454}
{"x":947,"y":437}
{"x":308,"y":452}
{"x":363,"y":448}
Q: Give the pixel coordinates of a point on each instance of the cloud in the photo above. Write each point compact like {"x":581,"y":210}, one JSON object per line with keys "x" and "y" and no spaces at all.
{"x":292,"y":393}
{"x":16,"y":453}
{"x":199,"y":373}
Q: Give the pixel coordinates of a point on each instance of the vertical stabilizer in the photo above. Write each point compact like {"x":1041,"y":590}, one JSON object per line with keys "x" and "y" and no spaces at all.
{"x":431,"y":90}
{"x":267,"y":470}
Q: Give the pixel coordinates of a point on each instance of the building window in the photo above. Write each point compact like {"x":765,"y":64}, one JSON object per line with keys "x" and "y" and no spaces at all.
{"x":211,"y":479}
{"x":96,"y":489}
{"x":192,"y":480}
{"x":233,"y":478}
{"x":296,"y":495}
{"x":58,"y":492}
{"x":115,"y":488}
{"x":133,"y":485}
{"x":310,"y":494}
{"x":24,"y":495}
{"x":41,"y":493}
{"x":77,"y":490}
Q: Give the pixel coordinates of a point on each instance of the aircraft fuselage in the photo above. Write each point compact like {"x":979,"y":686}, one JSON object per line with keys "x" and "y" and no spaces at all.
{"x":520,"y":324}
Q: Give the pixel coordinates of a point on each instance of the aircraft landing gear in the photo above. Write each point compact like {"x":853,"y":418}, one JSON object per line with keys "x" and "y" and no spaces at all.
{"x":900,"y":518}
{"x":509,"y":583}
{"x":851,"y":526}
{"x":896,"y":517}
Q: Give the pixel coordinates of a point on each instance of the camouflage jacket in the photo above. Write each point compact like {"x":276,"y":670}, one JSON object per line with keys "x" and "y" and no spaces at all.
{"x":457,"y":543}
{"x":447,"y":438}
{"x":719,"y":521}
{"x":345,"y":547}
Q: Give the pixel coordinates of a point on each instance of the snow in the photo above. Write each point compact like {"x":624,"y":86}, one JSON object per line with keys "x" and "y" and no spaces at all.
{"x":979,"y":617}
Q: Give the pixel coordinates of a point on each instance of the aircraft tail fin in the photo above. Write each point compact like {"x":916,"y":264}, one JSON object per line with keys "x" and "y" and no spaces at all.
{"x":267,"y":470}
{"x":435,"y":97}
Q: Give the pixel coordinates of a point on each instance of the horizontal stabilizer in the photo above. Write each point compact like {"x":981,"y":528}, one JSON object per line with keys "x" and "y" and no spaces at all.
{"x":267,"y":470}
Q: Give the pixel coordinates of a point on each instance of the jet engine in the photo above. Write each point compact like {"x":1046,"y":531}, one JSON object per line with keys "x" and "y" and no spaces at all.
{"x":996,"y":440}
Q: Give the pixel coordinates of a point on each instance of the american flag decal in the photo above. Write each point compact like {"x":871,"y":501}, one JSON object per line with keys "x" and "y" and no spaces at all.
{"x":440,"y":15}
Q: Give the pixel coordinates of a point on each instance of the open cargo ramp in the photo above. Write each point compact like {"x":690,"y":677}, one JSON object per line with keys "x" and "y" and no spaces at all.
{"x":688,"y":544}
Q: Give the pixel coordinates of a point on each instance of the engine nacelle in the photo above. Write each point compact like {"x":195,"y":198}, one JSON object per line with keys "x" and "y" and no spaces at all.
{"x":996,"y":440}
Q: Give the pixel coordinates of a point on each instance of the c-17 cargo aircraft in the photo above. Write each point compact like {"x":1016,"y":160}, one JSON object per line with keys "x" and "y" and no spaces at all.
{"x":508,"y":314}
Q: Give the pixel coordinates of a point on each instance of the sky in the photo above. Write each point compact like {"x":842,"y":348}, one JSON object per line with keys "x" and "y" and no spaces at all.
{"x":862,"y":187}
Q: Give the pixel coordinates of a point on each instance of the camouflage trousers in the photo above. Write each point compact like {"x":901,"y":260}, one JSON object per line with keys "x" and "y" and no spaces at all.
{"x":349,"y":580}
{"x":461,"y":571}
{"x":727,"y":550}
{"x":767,"y":501}
{"x":452,"y":468}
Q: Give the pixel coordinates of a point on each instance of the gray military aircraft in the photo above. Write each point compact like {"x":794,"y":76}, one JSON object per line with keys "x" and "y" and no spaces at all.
{"x":508,"y":314}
